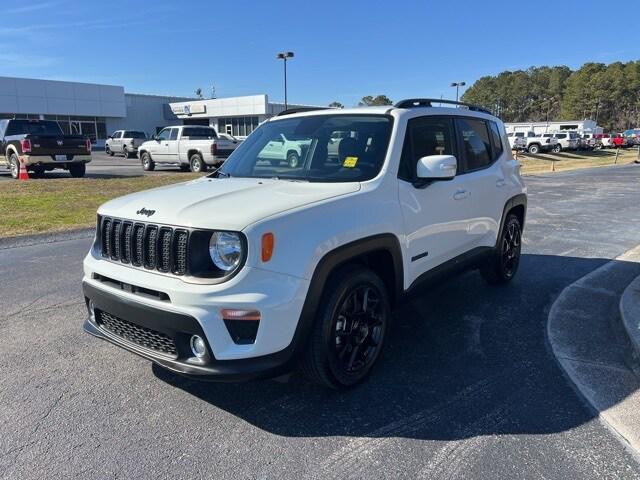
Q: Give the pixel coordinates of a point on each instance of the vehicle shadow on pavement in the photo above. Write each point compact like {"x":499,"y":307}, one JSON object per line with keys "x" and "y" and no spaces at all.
{"x":463,"y":359}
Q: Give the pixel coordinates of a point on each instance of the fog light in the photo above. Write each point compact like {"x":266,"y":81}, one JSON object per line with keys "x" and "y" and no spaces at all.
{"x":198,"y":347}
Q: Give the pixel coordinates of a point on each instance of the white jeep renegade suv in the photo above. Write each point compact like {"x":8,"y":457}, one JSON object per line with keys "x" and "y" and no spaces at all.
{"x":262,"y":267}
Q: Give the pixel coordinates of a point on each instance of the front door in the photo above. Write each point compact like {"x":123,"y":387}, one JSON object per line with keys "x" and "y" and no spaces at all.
{"x":159,"y":146}
{"x":172,"y":146}
{"x":436,"y":217}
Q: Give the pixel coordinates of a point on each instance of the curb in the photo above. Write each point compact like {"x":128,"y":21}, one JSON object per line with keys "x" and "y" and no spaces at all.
{"x":586,"y":335}
{"x":42,"y":238}
{"x":630,"y":313}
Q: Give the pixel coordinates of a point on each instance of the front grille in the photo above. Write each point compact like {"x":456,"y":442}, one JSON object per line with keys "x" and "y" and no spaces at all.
{"x":143,"y":245}
{"x":145,"y":337}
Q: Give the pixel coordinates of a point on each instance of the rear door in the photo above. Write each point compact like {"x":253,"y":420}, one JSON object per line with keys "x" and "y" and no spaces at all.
{"x":483,"y":153}
{"x":436,"y":217}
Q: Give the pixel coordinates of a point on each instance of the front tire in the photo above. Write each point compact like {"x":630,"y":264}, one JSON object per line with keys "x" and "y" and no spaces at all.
{"x":533,"y":149}
{"x":148,"y":165}
{"x":77,"y":170}
{"x":349,"y":329}
{"x":108,"y":151}
{"x":503,"y":264}
{"x":557,"y":148}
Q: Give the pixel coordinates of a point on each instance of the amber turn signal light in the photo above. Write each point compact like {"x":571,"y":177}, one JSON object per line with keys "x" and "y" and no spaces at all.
{"x":238,"y":314}
{"x":268,"y":242}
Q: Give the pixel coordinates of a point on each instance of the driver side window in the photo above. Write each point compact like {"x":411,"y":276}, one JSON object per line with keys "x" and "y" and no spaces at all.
{"x":164,"y":134}
{"x":425,"y":136}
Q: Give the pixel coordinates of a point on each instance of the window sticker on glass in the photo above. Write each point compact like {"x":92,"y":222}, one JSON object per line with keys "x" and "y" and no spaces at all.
{"x":350,"y":162}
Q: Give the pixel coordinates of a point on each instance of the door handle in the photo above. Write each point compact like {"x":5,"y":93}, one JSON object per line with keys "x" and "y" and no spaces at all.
{"x":461,"y":194}
{"x":500,"y":182}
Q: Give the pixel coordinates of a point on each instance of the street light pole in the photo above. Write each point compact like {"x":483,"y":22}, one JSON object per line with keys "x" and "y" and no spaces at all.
{"x":284,"y":56}
{"x":457,"y":85}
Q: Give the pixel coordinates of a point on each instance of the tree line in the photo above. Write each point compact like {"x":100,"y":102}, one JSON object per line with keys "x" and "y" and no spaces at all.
{"x":609,"y":94}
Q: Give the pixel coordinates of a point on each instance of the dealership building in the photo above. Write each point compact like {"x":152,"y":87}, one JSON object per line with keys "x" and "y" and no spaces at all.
{"x":97,"y":110}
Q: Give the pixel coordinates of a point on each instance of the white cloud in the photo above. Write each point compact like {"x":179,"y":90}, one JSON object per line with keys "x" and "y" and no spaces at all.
{"x":31,"y":7}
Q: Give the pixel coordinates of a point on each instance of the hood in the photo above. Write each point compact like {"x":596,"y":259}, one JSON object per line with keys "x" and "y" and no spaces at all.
{"x":221,"y":203}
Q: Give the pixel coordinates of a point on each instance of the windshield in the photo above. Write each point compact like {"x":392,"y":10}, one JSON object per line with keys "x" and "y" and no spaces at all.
{"x":321,"y":148}
{"x":33,"y":127}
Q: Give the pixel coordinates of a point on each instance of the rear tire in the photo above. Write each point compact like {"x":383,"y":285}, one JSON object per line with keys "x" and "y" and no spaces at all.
{"x":349,"y":329}
{"x":557,"y":148}
{"x":148,"y":165}
{"x":197,"y":164}
{"x":14,"y":166}
{"x":533,"y":149}
{"x":125,"y":152}
{"x":293,"y":159}
{"x":77,"y":170}
{"x":503,"y":263}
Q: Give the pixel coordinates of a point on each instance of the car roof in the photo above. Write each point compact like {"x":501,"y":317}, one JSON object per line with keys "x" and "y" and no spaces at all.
{"x":387,"y":110}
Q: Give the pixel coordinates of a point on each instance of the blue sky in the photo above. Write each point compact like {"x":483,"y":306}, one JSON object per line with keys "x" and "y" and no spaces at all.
{"x":344,"y":49}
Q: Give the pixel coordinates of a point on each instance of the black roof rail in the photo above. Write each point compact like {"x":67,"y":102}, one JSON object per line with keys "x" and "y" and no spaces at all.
{"x":290,"y":111}
{"x":428,"y":102}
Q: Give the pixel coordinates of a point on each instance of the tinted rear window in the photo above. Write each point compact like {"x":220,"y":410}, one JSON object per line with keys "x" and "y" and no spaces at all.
{"x":132,"y":134}
{"x":37,"y":127}
{"x":199,"y":132}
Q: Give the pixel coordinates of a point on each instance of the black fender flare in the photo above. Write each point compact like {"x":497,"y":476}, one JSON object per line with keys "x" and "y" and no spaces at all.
{"x":329,"y":263}
{"x":515,"y":201}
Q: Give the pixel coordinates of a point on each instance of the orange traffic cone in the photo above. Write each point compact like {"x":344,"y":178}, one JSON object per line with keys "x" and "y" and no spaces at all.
{"x":24,"y":175}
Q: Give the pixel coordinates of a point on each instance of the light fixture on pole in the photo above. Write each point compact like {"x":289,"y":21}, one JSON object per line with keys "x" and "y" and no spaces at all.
{"x":457,"y":85}
{"x":284,"y":56}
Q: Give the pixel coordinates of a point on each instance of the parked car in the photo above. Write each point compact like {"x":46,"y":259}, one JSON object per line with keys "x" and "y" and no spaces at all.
{"x":566,"y":140}
{"x":516,"y":142}
{"x":191,"y":147}
{"x":126,"y":142}
{"x":233,"y":141}
{"x":285,"y":148}
{"x":619,"y":141}
{"x":42,"y":146}
{"x":257,"y":268}
{"x":603,"y":140}
{"x":535,"y":143}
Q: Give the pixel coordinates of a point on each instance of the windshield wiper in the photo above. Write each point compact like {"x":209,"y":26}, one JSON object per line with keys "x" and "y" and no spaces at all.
{"x":220,"y":173}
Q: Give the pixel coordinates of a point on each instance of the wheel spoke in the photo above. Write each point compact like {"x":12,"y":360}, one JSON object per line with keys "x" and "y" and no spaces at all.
{"x":352,"y":359}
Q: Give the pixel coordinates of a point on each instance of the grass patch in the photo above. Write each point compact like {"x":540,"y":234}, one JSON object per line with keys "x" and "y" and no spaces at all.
{"x":563,"y":161}
{"x":57,"y":204}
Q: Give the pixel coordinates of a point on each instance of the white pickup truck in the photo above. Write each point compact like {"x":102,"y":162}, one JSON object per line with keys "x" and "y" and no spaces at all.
{"x":536,"y":143}
{"x":191,"y":147}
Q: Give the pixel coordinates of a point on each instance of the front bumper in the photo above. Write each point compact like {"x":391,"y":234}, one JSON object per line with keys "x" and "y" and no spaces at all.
{"x":190,"y":309}
{"x":179,"y":327}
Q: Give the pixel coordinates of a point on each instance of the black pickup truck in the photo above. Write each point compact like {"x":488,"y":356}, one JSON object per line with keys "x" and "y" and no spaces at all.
{"x":41,"y":146}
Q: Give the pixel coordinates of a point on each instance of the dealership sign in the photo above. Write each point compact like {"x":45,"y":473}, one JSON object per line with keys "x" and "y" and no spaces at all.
{"x":189,"y":109}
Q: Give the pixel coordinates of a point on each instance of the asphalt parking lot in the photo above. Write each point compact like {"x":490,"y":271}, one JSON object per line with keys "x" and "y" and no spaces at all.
{"x":104,"y":166}
{"x":467,"y":387}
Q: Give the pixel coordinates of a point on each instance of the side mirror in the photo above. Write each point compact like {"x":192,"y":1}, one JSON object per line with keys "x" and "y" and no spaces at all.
{"x":437,"y":167}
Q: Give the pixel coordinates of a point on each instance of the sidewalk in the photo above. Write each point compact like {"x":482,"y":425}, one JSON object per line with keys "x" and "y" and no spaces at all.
{"x":587,"y":336}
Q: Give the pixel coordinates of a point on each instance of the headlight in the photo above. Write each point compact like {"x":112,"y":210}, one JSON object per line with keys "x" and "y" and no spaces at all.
{"x":225,"y":249}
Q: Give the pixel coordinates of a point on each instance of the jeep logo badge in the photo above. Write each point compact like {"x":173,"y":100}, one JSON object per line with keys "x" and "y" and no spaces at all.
{"x":60,"y":143}
{"x":144,"y":211}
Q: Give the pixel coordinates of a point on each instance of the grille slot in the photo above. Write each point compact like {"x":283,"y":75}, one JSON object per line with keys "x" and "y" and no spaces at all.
{"x":150,"y":246}
{"x":145,"y":337}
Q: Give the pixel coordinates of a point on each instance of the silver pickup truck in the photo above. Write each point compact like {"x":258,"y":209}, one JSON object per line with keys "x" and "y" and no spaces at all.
{"x":126,"y":142}
{"x":190,"y":147}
